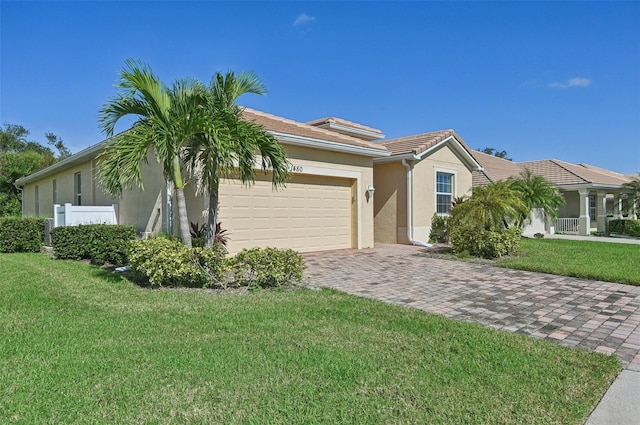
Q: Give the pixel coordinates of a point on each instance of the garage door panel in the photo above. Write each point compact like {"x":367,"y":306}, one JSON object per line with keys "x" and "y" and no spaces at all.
{"x":311,"y":213}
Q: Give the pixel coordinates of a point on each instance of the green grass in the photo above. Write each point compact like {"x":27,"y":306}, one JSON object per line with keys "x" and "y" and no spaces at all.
{"x":610,"y":262}
{"x":80,"y":345}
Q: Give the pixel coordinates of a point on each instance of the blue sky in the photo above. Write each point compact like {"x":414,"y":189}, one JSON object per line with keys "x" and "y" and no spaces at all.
{"x":540,"y":80}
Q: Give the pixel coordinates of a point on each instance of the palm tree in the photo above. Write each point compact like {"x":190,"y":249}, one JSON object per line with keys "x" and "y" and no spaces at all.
{"x":166,"y":120}
{"x":633,"y":189}
{"x":230,"y":145}
{"x":490,"y":207}
{"x":537,"y":192}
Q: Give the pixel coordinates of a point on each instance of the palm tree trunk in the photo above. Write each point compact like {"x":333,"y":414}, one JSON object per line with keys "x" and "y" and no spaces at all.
{"x":212,"y":216}
{"x":183,"y":218}
{"x":185,"y":234}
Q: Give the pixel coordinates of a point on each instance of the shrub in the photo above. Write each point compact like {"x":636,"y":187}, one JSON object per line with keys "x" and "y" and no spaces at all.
{"x":168,"y":262}
{"x":440,"y":230}
{"x":538,"y":235}
{"x":625,"y":227}
{"x":484,"y":243}
{"x":21,"y":234}
{"x":100,"y":243}
{"x":268,"y":267}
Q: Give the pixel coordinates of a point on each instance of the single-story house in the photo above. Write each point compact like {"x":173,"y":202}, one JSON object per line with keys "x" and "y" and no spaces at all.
{"x":326,"y":205}
{"x":591,"y":193}
{"x":421,"y":177}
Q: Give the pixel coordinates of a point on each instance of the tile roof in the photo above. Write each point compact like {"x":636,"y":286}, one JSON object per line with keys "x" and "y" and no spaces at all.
{"x":419,"y":143}
{"x":287,"y":126}
{"x":495,"y":168}
{"x":565,"y":173}
{"x":346,"y":123}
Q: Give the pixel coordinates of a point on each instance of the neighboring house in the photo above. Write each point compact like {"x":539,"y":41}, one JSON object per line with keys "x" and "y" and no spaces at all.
{"x":324,"y":206}
{"x":421,"y":177}
{"x":591,"y":193}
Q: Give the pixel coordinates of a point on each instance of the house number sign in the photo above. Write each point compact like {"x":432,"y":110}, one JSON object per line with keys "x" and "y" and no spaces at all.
{"x":295,"y":168}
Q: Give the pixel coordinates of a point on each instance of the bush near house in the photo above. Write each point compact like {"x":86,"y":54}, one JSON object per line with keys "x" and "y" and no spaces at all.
{"x":625,"y":227}
{"x":164,"y":261}
{"x":100,"y":243}
{"x":21,"y":234}
{"x":480,"y":242}
{"x":440,"y":228}
{"x":267,"y":267}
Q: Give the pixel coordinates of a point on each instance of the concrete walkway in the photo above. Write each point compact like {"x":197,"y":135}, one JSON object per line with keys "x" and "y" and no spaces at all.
{"x":594,"y":315}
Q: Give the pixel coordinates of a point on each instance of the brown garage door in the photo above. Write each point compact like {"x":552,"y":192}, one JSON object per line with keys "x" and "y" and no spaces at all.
{"x":310,"y":214}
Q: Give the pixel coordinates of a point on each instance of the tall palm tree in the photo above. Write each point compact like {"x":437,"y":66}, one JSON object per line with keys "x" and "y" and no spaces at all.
{"x":490,"y":207}
{"x":166,"y":119}
{"x":537,"y":192}
{"x":229,"y":146}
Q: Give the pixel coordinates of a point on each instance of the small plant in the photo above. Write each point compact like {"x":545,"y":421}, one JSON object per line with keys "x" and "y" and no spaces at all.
{"x":440,"y":228}
{"x":199,"y":235}
{"x":538,"y":235}
{"x":484,"y":243}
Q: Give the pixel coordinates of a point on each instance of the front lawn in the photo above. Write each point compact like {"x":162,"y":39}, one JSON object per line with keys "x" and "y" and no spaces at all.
{"x":611,"y":262}
{"x":80,"y":345}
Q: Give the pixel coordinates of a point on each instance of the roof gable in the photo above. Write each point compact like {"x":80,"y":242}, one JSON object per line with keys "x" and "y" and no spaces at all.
{"x":419,"y":146}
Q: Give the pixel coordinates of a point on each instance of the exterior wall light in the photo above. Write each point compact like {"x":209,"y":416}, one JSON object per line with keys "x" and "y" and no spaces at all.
{"x":370,"y":191}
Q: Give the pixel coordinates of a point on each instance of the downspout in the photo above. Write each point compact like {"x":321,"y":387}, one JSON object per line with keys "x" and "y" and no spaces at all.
{"x":409,"y":207}
{"x":168,"y":207}
{"x":21,"y":189}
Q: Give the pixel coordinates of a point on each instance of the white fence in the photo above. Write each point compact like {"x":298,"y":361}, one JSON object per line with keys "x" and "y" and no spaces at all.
{"x":72,"y":215}
{"x":567,"y":225}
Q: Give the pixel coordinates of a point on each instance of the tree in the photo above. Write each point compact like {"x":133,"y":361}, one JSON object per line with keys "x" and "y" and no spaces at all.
{"x":167,"y":118}
{"x":633,"y":193}
{"x":491,"y":207}
{"x":537,"y":192}
{"x":20,"y":157}
{"x":496,"y":153}
{"x":229,"y":145}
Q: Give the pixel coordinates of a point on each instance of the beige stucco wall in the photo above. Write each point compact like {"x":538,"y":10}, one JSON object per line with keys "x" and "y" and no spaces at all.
{"x":136,"y":206}
{"x":424,"y":187}
{"x":133,"y":208}
{"x":571,"y":208}
{"x":390,"y":201}
{"x":391,"y":182}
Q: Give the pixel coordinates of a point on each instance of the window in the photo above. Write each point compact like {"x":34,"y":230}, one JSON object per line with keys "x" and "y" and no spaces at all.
{"x":444,"y":192}
{"x":77,"y":183}
{"x":592,"y":207}
{"x":37,"y":205}
{"x":55,"y":192}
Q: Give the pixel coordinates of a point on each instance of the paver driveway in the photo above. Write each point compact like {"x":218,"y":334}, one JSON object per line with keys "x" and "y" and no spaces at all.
{"x":595,"y":315}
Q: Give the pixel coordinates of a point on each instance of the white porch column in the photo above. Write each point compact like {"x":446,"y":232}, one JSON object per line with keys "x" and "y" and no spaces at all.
{"x":601,"y":211}
{"x":584,"y":221}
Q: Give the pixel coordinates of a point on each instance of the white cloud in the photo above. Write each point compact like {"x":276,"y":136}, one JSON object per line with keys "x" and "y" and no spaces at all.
{"x":303,"y":18}
{"x":572,"y":82}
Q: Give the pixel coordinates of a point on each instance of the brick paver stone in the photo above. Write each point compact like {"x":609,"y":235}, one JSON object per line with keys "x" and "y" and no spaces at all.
{"x":595,"y":315}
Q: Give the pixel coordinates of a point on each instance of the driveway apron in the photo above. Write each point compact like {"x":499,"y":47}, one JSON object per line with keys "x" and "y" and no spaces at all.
{"x":594,"y":315}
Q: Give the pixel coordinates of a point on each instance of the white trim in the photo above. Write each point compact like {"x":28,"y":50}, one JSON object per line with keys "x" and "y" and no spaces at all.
{"x":454,"y":184}
{"x":291,"y":139}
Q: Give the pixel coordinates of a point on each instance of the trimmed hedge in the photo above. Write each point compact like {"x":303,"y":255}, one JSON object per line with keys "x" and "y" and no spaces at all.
{"x":479,"y":242}
{"x":100,"y":243}
{"x":21,"y":234}
{"x":625,"y":227}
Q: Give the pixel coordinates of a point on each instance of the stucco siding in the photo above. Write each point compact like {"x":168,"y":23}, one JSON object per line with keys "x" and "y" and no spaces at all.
{"x":390,"y":201}
{"x":424,"y":187}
